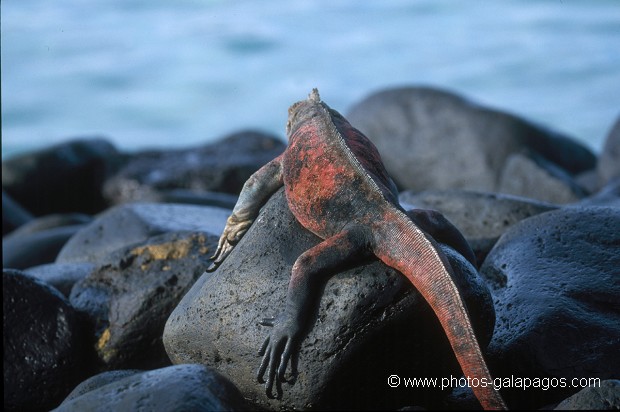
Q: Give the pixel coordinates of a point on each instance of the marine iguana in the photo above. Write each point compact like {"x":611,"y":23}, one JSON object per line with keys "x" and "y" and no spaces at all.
{"x":337,"y":187}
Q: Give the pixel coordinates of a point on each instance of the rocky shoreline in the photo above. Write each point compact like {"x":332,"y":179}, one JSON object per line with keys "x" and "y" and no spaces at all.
{"x":107,"y":307}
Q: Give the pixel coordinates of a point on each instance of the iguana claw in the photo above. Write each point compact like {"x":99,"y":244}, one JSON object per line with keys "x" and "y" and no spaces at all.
{"x":277,"y":350}
{"x":233,"y":232}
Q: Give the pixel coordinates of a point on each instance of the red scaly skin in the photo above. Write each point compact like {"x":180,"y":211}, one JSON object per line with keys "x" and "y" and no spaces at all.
{"x":337,"y":187}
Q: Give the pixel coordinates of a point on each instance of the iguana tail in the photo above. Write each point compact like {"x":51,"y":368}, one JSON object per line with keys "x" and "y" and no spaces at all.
{"x":399,"y":243}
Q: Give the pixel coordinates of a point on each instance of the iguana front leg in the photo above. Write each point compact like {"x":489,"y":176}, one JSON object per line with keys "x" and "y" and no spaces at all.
{"x":255,"y":193}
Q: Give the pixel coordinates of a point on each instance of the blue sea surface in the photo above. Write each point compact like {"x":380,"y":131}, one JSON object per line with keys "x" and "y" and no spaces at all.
{"x":175,"y":73}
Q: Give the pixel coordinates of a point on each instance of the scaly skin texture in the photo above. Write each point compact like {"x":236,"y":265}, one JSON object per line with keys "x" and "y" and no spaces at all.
{"x":337,"y":187}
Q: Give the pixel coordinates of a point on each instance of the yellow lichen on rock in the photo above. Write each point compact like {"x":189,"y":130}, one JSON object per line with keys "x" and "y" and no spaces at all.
{"x":104,"y":339}
{"x":175,"y":250}
{"x":105,"y":352}
{"x":172,"y":250}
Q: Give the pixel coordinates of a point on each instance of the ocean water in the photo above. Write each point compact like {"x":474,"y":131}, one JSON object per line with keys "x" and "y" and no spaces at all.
{"x":156,"y":73}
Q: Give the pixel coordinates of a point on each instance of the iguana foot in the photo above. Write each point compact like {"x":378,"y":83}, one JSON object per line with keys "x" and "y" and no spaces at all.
{"x":233,"y":232}
{"x":277,"y":350}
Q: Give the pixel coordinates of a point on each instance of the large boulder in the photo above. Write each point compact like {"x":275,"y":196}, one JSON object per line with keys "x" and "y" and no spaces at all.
{"x":556,"y":285}
{"x":222,"y":166}
{"x":193,"y":388}
{"x":129,"y":224}
{"x":46,"y":351}
{"x":63,"y":178}
{"x":371,"y":323}
{"x":481,"y":217}
{"x":132,"y":292}
{"x":433,"y":139}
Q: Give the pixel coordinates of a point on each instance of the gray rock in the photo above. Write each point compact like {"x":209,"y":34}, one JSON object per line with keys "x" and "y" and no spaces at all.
{"x":481,"y":217}
{"x":557,"y":282}
{"x":433,"y":139}
{"x":594,"y":398}
{"x":37,"y":248}
{"x":13,"y":214}
{"x":40,"y":240}
{"x":371,"y":323}
{"x":184,"y":196}
{"x":62,"y":276}
{"x":533,"y":177}
{"x":589,"y":181}
{"x":45,"y":353}
{"x":98,"y":381}
{"x":175,"y":388}
{"x":63,"y":178}
{"x":132,"y":293}
{"x":51,"y":222}
{"x":609,"y":195}
{"x":223,"y":166}
{"x":608,"y":166}
{"x":130,"y":224}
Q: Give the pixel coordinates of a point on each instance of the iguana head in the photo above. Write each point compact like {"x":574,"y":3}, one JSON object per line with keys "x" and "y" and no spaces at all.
{"x":302,"y":110}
